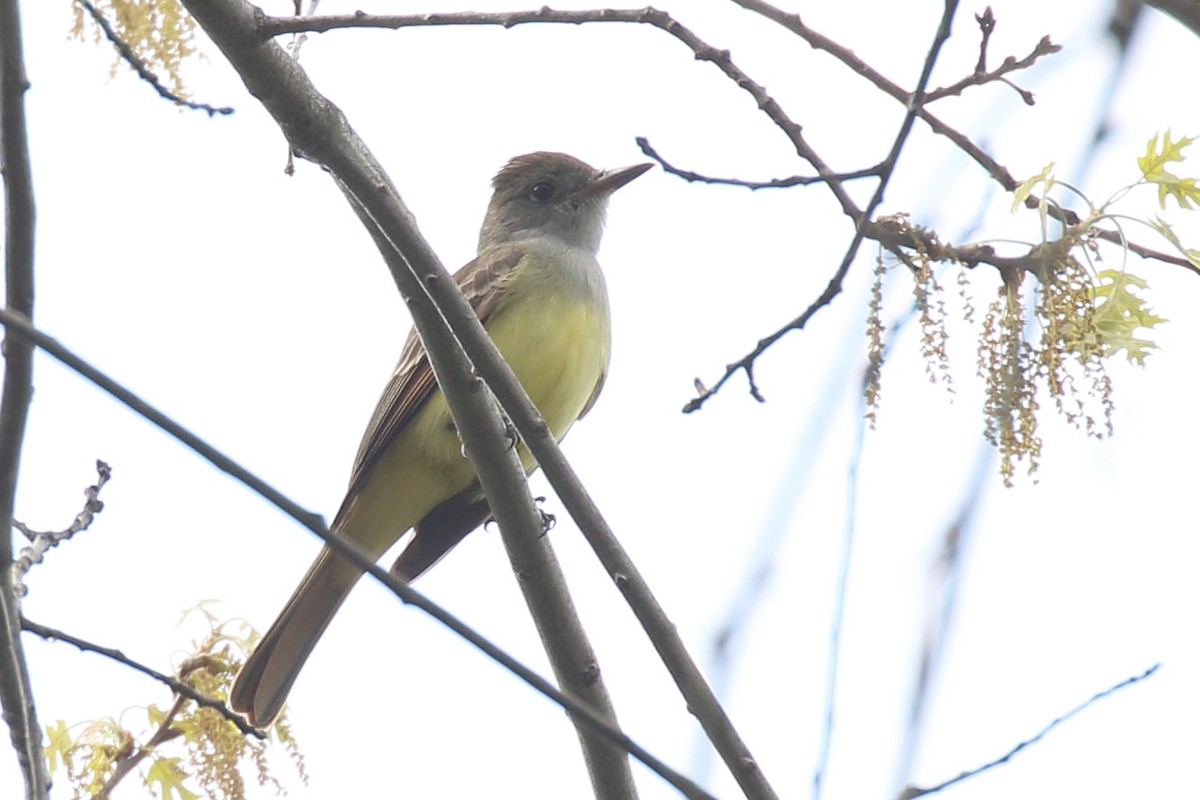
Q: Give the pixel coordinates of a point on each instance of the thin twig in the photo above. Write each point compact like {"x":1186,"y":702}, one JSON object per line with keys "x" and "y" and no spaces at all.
{"x":42,"y":541}
{"x":987,"y":26}
{"x":940,"y":37}
{"x":774,"y":183}
{"x":994,"y":169}
{"x":162,"y":734}
{"x":862,"y":219}
{"x":701,"y":50}
{"x":177,"y":686}
{"x":1043,"y":48}
{"x":911,"y":792}
{"x":140,"y":67}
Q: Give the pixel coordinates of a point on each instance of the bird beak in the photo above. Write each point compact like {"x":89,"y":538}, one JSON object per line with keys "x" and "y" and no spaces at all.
{"x":609,"y":180}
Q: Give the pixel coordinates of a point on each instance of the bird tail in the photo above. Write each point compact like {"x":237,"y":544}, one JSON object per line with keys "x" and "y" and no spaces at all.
{"x":261,"y":688}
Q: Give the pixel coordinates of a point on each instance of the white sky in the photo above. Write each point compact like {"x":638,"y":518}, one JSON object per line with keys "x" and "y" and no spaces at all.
{"x":174,"y":254}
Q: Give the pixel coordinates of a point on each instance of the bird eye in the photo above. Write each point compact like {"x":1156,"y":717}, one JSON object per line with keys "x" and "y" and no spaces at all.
{"x":542,"y":192}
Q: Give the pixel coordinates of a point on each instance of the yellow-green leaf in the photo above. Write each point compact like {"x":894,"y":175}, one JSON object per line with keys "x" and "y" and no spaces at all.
{"x":169,"y":776}
{"x":1026,"y":186}
{"x":1119,"y":312}
{"x":1154,"y":170}
{"x":58,"y":743}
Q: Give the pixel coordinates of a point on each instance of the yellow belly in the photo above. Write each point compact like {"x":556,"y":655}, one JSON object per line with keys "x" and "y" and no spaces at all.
{"x":558,"y":348}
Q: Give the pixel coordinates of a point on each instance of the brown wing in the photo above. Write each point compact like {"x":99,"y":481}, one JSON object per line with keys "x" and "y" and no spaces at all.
{"x":412,"y":381}
{"x":440,"y":530}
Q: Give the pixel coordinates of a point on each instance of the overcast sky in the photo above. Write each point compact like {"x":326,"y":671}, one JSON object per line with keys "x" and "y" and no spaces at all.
{"x":174,"y":254}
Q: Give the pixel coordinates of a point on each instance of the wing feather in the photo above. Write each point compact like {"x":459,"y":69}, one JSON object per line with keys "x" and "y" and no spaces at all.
{"x":412,"y":382}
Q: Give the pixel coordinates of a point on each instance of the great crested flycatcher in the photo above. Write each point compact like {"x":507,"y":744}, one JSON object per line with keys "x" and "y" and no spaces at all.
{"x":539,"y":292}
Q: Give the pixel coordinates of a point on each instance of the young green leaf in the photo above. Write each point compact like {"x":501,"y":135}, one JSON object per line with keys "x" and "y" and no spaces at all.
{"x":1154,"y":169}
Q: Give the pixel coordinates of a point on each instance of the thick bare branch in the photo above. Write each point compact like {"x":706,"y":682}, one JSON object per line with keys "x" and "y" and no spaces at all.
{"x":481,"y":351}
{"x":16,"y":692}
{"x":319,"y":131}
{"x":348,"y":550}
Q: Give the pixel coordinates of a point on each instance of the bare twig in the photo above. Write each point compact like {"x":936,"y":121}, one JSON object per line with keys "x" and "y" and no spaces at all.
{"x":343,"y":547}
{"x":941,"y":35}
{"x":139,"y":64}
{"x":1043,"y":48}
{"x":862,"y":219}
{"x":177,"y":686}
{"x":162,"y":734}
{"x":702,"y":50}
{"x":16,"y":691}
{"x":987,"y":26}
{"x":24,"y":330}
{"x":348,"y":550}
{"x":994,"y":169}
{"x":41,"y":541}
{"x":911,"y":792}
{"x":774,"y":183}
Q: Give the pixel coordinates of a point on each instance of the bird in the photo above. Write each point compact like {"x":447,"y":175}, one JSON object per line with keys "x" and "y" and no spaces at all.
{"x":539,"y":292}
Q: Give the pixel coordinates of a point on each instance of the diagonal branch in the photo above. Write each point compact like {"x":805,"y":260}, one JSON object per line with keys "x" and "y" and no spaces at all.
{"x":481,"y":351}
{"x":774,"y":183}
{"x":862,"y":220}
{"x":139,"y":65}
{"x":319,"y":131}
{"x":16,"y":690}
{"x":940,"y":37}
{"x":348,"y":550}
{"x":177,"y":686}
{"x":912,"y":792}
{"x":503,"y":480}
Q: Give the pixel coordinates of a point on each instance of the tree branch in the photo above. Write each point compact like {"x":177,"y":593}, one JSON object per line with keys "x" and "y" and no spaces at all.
{"x":862,"y":219}
{"x":347,"y":549}
{"x":140,"y":67}
{"x":539,"y":575}
{"x":912,"y":792}
{"x":1043,"y":48}
{"x":42,"y":541}
{"x":699,"y":696}
{"x":174,"y":684}
{"x":701,"y":49}
{"x":774,"y":183}
{"x":16,"y":689}
{"x":318,"y":130}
